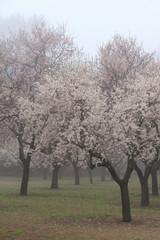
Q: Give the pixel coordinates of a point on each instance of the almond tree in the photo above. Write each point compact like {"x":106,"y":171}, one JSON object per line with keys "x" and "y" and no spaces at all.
{"x":88,"y":128}
{"x":132,"y":130}
{"x":118,"y":127}
{"x":120,"y":60}
{"x":137,"y":119}
{"x":48,"y":113}
{"x":52,"y":112}
{"x":25,"y":57}
{"x":93,"y":134}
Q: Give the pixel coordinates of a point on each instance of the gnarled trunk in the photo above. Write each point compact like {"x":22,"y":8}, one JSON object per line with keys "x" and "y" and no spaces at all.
{"x":123,"y":183}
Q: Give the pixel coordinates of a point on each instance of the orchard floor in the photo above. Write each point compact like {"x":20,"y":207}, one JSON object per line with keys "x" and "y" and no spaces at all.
{"x":85,"y":212}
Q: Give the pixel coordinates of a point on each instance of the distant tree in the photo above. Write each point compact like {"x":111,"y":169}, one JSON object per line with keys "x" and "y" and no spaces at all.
{"x":77,"y":159}
{"x":103,"y":174}
{"x":120,"y":59}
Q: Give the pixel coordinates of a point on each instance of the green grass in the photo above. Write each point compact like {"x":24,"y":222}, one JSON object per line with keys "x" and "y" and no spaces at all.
{"x":88,"y":211}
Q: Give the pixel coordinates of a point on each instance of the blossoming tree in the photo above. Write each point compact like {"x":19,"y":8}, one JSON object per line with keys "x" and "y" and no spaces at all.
{"x":137,"y":120}
{"x":122,"y":58}
{"x":24,"y":58}
{"x":59,"y":104}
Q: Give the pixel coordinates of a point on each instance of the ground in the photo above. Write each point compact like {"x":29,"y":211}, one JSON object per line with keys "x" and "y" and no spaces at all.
{"x":85,"y":212}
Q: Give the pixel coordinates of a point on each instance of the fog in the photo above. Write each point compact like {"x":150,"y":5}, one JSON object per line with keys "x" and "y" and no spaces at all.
{"x":91,"y":22}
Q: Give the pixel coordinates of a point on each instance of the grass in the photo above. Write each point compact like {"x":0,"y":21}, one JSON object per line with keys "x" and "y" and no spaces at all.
{"x":88,"y":211}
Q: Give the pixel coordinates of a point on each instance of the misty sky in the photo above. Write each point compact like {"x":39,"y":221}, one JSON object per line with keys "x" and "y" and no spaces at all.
{"x":92,"y":22}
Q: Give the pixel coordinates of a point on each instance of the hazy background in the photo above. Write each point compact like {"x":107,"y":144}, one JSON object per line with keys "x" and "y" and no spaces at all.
{"x":92,"y":22}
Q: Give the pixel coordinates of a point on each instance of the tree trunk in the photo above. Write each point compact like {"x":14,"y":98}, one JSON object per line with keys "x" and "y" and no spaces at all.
{"x":76,"y":174}
{"x":103,"y":174}
{"x":54,"y":183}
{"x":144,"y":193}
{"x":90,"y":176}
{"x":154,"y":181}
{"x":144,"y":184}
{"x":25,"y":178}
{"x":126,"y":212}
{"x":123,"y":183}
{"x":154,"y":184}
{"x":25,"y":160}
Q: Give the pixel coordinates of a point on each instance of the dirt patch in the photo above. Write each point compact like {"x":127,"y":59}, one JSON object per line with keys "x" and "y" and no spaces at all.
{"x":141,"y":228}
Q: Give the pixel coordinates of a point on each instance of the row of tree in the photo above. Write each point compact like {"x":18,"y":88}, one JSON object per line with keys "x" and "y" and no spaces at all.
{"x":57,"y":106}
